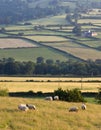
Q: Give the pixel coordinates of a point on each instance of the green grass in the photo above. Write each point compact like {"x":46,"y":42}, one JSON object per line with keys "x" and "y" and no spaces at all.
{"x":53,"y":20}
{"x":48,"y":115}
{"x":30,"y":54}
{"x":91,"y":100}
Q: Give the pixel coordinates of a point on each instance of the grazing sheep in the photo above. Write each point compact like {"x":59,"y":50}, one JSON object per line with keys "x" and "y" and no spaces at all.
{"x":73,"y":109}
{"x":49,"y":98}
{"x":23,"y":107}
{"x":83,"y":107}
{"x":30,"y":106}
{"x":56,"y":97}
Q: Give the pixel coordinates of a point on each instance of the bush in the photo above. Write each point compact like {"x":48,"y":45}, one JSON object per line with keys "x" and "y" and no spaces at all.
{"x":69,"y":95}
{"x":4,"y":92}
{"x":99,"y":96}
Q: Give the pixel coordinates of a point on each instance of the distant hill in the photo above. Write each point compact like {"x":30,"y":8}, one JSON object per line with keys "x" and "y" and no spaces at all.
{"x":22,"y":10}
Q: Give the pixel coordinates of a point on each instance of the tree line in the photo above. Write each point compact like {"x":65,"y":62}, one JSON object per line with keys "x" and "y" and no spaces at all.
{"x":49,"y":67}
{"x":13,"y":11}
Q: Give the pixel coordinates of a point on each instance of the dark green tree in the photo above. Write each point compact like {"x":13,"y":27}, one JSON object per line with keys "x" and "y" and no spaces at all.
{"x":40,"y":60}
{"x":77,"y":30}
{"x":99,"y":95}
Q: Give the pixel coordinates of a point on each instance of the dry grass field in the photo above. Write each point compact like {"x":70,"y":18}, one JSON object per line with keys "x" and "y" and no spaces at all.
{"x":15,"y":43}
{"x":49,"y":115}
{"x":47,"y":84}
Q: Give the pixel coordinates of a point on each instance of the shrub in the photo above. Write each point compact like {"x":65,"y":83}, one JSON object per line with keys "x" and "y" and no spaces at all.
{"x":69,"y":95}
{"x":4,"y":92}
{"x":99,"y":96}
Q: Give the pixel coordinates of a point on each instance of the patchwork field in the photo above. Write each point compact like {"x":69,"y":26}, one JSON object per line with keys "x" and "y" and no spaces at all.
{"x":56,"y":33}
{"x":76,"y":50}
{"x":15,"y":43}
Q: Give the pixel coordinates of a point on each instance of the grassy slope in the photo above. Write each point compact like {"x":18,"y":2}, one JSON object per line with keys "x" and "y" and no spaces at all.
{"x":60,"y":19}
{"x":48,"y":116}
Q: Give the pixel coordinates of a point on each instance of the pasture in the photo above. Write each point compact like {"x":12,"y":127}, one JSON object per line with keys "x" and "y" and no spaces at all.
{"x":48,"y":115}
{"x":51,"y":20}
{"x":30,"y":54}
{"x":44,"y":38}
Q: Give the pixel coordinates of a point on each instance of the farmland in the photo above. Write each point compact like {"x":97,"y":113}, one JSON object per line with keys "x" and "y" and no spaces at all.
{"x":39,"y":28}
{"x":49,"y":84}
{"x":57,"y":38}
{"x":54,"y":113}
{"x":14,"y":43}
{"x":47,"y":115}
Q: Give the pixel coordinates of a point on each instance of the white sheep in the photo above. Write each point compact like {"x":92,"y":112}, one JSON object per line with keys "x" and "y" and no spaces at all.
{"x":23,"y":107}
{"x":49,"y":98}
{"x":73,"y":109}
{"x":83,"y":107}
{"x":56,"y":97}
{"x":30,"y":106}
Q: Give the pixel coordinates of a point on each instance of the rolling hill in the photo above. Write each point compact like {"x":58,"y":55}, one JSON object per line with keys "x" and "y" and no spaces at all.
{"x":53,"y":36}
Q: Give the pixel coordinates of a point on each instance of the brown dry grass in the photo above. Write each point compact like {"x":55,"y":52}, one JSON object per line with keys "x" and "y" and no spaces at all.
{"x":48,"y":116}
{"x":19,"y":84}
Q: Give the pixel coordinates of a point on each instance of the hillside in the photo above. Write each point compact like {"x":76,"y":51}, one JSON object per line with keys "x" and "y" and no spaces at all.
{"x":53,"y":32}
{"x":48,"y":115}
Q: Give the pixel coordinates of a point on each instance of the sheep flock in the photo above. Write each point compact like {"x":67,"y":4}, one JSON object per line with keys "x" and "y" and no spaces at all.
{"x":26,"y":107}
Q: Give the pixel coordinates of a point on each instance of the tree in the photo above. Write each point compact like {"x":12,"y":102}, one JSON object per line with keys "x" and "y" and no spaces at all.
{"x":99,"y":95}
{"x":77,"y":30}
{"x":49,"y":61}
{"x":69,"y":18}
{"x":40,"y":60}
{"x":29,"y":68}
{"x":67,"y":10}
{"x":73,"y":95}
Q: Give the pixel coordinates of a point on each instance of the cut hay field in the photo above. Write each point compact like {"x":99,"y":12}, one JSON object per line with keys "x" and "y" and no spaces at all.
{"x":48,"y":115}
{"x":15,"y":43}
{"x":48,"y":84}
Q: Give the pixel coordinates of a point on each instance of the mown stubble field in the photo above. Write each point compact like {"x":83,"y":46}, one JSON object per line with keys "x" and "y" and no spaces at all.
{"x":49,"y":84}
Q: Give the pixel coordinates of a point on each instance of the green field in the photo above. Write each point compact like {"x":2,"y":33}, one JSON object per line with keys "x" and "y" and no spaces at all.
{"x":30,"y":54}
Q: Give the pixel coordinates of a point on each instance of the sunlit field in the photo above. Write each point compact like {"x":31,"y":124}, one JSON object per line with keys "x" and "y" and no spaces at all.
{"x":77,"y":50}
{"x":49,"y":115}
{"x":48,"y":84}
